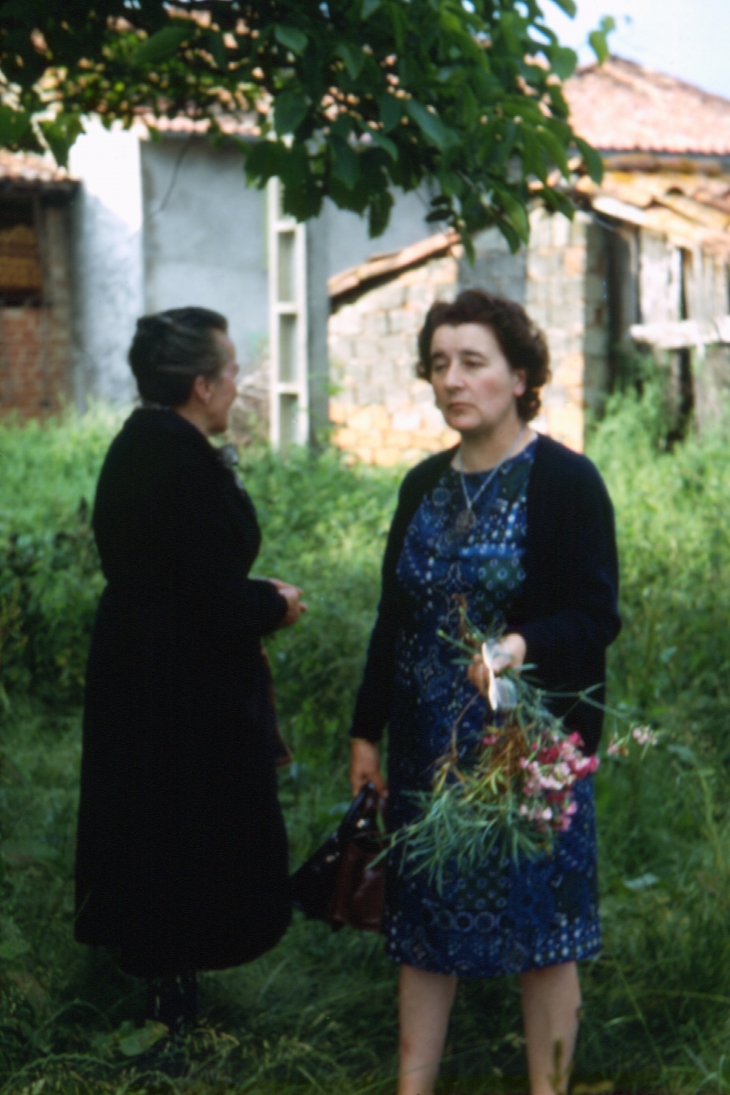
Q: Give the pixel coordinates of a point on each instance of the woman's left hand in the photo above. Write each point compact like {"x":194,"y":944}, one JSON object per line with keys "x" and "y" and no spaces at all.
{"x":510,"y":654}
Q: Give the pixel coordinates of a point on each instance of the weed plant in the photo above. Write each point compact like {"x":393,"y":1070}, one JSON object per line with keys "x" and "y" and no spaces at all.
{"x":318,"y":1013}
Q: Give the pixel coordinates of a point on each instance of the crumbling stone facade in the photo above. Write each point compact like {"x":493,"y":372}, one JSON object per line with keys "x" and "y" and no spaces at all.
{"x":382,"y":414}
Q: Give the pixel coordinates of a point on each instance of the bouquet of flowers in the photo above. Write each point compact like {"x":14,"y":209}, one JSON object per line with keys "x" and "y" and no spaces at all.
{"x":514,"y":788}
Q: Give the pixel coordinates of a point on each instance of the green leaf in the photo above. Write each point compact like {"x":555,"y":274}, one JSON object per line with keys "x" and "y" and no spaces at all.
{"x":560,"y":203}
{"x":381,"y":203}
{"x":136,"y":1041}
{"x":353,"y":57}
{"x":290,"y":109}
{"x":563,"y":61}
{"x":515,"y":213}
{"x":599,"y":45}
{"x":264,"y":161}
{"x":291,"y":38}
{"x":591,"y":158}
{"x":533,"y":155}
{"x":555,"y":150}
{"x":568,"y":6}
{"x":342,"y":126}
{"x":60,"y":134}
{"x":13,"y":124}
{"x":391,"y":111}
{"x":302,"y":197}
{"x":161,"y":45}
{"x":215,"y":44}
{"x":431,"y":126}
{"x":384,"y":142}
{"x":369,"y":7}
{"x":346,"y":167}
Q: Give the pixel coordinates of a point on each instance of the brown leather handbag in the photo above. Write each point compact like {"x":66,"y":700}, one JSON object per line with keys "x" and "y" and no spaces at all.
{"x":340,"y":883}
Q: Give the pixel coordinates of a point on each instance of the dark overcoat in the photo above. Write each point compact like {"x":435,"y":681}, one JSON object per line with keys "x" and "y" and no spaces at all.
{"x":182,"y":852}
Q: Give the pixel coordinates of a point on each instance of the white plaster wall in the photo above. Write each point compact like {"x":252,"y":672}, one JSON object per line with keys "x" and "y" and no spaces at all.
{"x":107,"y":265}
{"x":205,"y":238}
{"x":348,"y":242}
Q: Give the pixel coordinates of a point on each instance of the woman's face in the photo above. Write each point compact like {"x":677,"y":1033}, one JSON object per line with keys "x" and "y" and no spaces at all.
{"x":475,"y":387}
{"x":222,"y":388}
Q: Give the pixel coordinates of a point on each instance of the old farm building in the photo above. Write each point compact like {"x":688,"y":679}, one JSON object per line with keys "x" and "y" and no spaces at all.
{"x":325,"y":328}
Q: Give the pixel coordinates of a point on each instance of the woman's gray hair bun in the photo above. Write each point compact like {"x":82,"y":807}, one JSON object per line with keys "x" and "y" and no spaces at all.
{"x":171,"y":348}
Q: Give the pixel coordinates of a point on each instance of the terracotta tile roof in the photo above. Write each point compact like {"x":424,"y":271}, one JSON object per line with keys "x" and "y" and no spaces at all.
{"x":391,"y":263}
{"x":691,"y":209}
{"x":28,"y":171}
{"x":622,"y":107}
{"x":233,"y":125}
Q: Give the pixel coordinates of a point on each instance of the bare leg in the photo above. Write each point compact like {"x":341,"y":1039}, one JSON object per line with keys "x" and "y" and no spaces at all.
{"x":425,"y":1006}
{"x":550,"y":1005}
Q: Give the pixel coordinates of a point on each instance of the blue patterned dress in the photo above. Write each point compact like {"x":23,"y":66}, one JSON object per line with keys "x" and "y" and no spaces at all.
{"x":500,"y":918}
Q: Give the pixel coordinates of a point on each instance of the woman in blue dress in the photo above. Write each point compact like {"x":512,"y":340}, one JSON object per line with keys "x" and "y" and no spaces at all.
{"x":519,"y":530}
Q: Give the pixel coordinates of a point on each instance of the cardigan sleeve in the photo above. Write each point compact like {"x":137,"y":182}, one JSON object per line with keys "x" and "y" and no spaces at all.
{"x":372,"y":705}
{"x":577,"y":569}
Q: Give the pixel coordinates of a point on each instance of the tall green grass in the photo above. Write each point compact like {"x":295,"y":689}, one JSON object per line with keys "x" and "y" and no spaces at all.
{"x":318,"y":1013}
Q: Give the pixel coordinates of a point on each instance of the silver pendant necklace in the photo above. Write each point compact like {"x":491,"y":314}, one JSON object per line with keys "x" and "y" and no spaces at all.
{"x":466,"y":518}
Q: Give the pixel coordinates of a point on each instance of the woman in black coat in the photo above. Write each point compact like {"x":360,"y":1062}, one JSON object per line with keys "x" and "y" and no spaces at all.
{"x":182,"y":852}
{"x":519,"y":529}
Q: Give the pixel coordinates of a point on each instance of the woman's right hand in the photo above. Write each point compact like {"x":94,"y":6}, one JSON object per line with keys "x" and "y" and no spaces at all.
{"x":294,"y":605}
{"x":365,"y":767}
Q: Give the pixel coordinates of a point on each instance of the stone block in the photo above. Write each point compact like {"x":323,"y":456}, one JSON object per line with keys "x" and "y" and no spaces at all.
{"x":421,"y":296}
{"x":340,"y":412}
{"x":574,"y":260}
{"x":405,"y":321}
{"x":569,"y":370}
{"x":443,"y":272}
{"x":566,"y":424}
{"x":345,"y":438}
{"x":560,"y":234}
{"x":386,"y":457}
{"x":376,"y":323}
{"x":366,"y":349}
{"x":346,"y":321}
{"x":397,"y":348}
{"x":406,"y":420}
{"x":387,"y":297}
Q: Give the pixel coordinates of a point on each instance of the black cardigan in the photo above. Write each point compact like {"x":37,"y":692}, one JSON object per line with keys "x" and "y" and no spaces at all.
{"x":569,"y":610}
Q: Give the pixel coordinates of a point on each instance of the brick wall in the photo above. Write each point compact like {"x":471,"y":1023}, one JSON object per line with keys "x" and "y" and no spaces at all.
{"x":35,"y":340}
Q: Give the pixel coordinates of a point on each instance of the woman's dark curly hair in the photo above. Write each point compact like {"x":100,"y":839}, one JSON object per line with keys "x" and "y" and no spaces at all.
{"x":523,"y":344}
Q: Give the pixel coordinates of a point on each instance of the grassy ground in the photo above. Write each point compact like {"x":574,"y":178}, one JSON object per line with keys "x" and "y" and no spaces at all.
{"x":318,"y":1013}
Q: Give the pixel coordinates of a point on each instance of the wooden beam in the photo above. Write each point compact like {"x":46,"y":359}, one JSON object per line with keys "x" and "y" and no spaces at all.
{"x":681,"y":334}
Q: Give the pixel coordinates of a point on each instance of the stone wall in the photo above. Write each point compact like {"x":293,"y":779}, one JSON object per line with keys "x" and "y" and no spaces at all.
{"x":380,"y":411}
{"x":566,"y":296}
{"x":383,"y":415}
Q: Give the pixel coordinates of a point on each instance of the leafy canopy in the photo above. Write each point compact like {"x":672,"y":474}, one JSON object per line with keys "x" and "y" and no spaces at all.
{"x":349,"y":97}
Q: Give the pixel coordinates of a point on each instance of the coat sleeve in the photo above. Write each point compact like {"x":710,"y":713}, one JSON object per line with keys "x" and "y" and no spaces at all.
{"x":568,"y":645}
{"x":207,"y":562}
{"x":372,"y":705}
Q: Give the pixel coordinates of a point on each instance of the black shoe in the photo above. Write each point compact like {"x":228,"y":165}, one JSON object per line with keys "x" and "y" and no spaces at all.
{"x":173,"y":1001}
